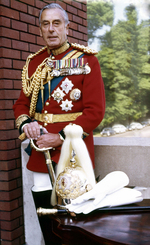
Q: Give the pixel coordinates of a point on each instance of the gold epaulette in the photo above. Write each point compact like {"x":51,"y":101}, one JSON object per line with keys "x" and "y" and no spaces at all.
{"x":36,"y":53}
{"x":83,"y":48}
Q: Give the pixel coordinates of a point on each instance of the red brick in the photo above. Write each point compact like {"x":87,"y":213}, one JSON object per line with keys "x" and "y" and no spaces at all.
{"x":19,"y":6}
{"x":82,"y":14}
{"x":85,"y":22}
{"x":7,"y":145}
{"x":18,"y":25}
{"x":70,"y":33}
{"x":71,"y":9}
{"x":18,"y":65}
{"x":72,"y":40}
{"x":28,"y":2}
{"x":7,"y":235}
{"x":77,"y":19}
{"x":33,"y":11}
{"x":19,"y":45}
{"x":7,"y":12}
{"x":10,"y":53}
{"x":6,"y":32}
{"x":40,"y":4}
{"x":9,"y":206}
{"x":84,"y":7}
{"x":7,"y":165}
{"x":24,"y":55}
{"x":4,"y":21}
{"x":27,"y":37}
{"x":82,"y":29}
{"x":34,"y":48}
{"x":13,"y":74}
{"x":78,"y":35}
{"x":10,"y":195}
{"x":40,"y":41}
{"x":4,"y":2}
{"x":5,"y":42}
{"x":6,"y":225}
{"x":34,"y":30}
{"x":68,"y":1}
{"x":9,"y":155}
{"x":7,"y":114}
{"x":7,"y":94}
{"x":83,"y":1}
{"x":73,"y":25}
{"x":5,"y":63}
{"x":86,"y":39}
{"x":4,"y":125}
{"x":18,"y":84}
{"x":6,"y":104}
{"x":70,"y":16}
{"x":8,"y":135}
{"x":77,"y":5}
{"x":27,"y":18}
{"x":62,"y":4}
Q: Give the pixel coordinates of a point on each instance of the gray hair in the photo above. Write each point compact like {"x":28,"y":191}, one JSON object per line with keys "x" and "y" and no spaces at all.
{"x":54,"y":6}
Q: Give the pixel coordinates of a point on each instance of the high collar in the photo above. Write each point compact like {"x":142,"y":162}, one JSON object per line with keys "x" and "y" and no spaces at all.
{"x":59,"y":50}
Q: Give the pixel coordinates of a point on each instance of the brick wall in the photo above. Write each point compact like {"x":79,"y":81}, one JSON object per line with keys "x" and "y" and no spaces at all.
{"x":19,"y":36}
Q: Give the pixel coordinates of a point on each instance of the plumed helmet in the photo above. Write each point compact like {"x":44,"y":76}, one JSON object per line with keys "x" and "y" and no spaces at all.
{"x":72,"y":182}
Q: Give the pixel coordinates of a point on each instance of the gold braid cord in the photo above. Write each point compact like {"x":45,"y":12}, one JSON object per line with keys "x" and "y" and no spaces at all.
{"x":31,"y":86}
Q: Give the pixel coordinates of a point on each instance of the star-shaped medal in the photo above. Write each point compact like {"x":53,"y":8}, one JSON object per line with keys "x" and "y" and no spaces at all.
{"x":58,"y":95}
{"x":66,"y":105}
{"x":66,"y":85}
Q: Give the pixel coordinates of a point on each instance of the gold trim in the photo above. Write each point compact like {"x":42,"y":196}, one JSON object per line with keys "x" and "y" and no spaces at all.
{"x":83,"y":48}
{"x":21,"y":119}
{"x":59,"y":50}
{"x":51,"y":118}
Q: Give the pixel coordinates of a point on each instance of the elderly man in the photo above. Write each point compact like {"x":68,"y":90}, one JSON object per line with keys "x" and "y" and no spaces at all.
{"x":61,"y":84}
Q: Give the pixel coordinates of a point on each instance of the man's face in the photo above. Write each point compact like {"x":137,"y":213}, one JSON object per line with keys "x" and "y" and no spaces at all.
{"x":53,"y":29}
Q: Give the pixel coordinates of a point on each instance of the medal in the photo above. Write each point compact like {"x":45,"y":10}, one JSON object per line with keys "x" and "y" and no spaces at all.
{"x":66,"y":105}
{"x":66,"y":85}
{"x":58,"y":95}
{"x":75,"y":94}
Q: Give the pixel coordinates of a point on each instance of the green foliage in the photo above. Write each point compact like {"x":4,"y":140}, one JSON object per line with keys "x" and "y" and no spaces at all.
{"x":124,"y":57}
{"x":99,"y":14}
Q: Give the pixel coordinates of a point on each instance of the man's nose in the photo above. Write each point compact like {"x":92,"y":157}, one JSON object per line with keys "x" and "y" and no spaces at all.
{"x":51,"y":28}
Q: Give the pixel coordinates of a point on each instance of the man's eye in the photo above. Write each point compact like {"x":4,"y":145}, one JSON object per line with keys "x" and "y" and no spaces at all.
{"x":56,"y":23}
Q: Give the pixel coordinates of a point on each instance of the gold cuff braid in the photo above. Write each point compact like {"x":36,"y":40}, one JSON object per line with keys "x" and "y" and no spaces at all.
{"x":21,"y":119}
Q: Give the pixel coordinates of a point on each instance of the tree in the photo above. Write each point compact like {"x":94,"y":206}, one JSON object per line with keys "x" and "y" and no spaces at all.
{"x":99,"y":14}
{"x":123,"y":58}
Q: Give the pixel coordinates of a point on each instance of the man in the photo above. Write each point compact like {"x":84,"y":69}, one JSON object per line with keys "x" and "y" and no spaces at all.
{"x":61,"y":84}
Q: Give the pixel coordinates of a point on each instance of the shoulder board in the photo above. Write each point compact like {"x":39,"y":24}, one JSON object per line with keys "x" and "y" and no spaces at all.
{"x":83,"y":48}
{"x":38,"y":52}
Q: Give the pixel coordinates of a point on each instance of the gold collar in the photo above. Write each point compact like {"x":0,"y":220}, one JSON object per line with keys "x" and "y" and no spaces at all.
{"x":59,"y":50}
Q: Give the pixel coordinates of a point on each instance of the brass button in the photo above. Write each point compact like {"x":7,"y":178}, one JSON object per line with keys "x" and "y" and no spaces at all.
{"x":45,"y":124}
{"x":45,"y":112}
{"x":47,"y":103}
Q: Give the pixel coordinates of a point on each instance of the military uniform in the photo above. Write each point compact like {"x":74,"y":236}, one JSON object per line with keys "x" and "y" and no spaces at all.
{"x":59,"y":87}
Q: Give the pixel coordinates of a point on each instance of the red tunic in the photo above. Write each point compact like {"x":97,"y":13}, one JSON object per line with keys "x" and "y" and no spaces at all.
{"x":91,"y":103}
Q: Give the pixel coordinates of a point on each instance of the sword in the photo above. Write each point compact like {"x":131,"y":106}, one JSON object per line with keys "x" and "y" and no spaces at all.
{"x":47,"y":155}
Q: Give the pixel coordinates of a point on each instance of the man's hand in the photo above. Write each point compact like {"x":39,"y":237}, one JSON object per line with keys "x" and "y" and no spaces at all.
{"x":32,"y":130}
{"x":49,"y":140}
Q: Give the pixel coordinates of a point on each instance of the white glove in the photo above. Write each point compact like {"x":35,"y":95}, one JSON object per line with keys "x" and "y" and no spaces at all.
{"x":123,"y":196}
{"x":111,"y":183}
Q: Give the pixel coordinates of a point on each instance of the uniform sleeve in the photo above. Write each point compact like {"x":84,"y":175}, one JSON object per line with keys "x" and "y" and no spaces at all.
{"x":93,"y":96}
{"x":21,"y":111}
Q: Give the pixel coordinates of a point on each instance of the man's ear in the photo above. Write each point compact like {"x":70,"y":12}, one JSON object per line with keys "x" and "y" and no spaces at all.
{"x":41,"y":33}
{"x":67,"y":29}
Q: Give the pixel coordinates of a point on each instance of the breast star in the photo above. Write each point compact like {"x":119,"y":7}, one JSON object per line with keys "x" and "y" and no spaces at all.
{"x":66,"y":105}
